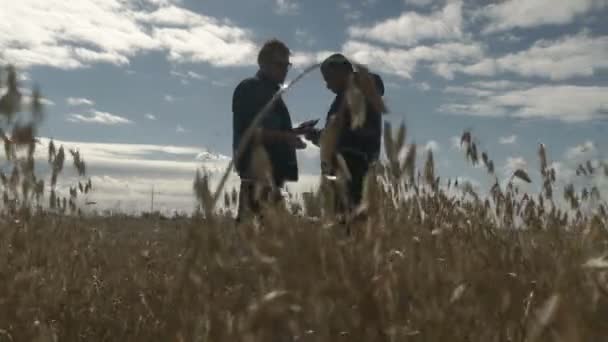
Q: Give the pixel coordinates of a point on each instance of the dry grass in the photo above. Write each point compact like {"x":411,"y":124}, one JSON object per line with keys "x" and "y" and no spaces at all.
{"x":451,"y":276}
{"x":431,"y":263}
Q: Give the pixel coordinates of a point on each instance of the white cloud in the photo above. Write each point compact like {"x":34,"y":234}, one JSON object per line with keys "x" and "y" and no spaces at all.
{"x":432,"y":145}
{"x":311,"y":151}
{"x":509,"y":38}
{"x":304,"y":59}
{"x":499,"y":84}
{"x":532,"y":13}
{"x":514,"y":163}
{"x":189,"y":75}
{"x":181,"y":129}
{"x":419,"y":3}
{"x":173,"y":16}
{"x":566,"y":103}
{"x":99,"y":117}
{"x":394,"y":85}
{"x":123,"y":175}
{"x":68,"y":35}
{"x":220,"y":83}
{"x":210,"y":156}
{"x":474,"y":108}
{"x":52,"y":32}
{"x":411,"y":27}
{"x":23,"y":76}
{"x":579,"y":55}
{"x":44,"y":101}
{"x":87,"y":56}
{"x":424,"y":86}
{"x":583,"y":152}
{"x":169,"y":98}
{"x":216,"y":45}
{"x":304,"y":37}
{"x":150,"y":116}
{"x":79,"y":101}
{"x":455,"y":142}
{"x":283,"y":7}
{"x":350,"y":13}
{"x":118,"y":152}
{"x":511,"y":139}
{"x":195,"y":75}
{"x":403,"y":62}
{"x":27,"y":99}
{"x":53,"y":56}
{"x":469,"y":91}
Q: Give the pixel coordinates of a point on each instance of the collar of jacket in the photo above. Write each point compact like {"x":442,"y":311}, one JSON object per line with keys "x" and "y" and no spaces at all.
{"x":259,"y":74}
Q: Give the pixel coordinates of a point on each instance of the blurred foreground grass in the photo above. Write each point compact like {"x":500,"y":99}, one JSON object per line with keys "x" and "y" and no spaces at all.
{"x":430,"y":262}
{"x":119,"y":279}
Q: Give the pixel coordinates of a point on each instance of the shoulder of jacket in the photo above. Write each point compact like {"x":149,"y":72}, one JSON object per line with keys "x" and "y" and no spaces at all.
{"x":248,"y":83}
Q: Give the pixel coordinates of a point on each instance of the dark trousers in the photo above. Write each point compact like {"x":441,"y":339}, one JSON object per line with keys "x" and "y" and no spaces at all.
{"x":250,"y":202}
{"x":358,"y":166}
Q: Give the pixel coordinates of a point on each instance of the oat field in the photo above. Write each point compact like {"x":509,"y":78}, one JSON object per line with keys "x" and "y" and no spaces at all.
{"x":424,"y":259}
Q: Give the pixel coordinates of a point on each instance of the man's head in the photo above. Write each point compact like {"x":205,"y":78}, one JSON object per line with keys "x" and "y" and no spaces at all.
{"x":273,"y":60}
{"x":335,"y":70}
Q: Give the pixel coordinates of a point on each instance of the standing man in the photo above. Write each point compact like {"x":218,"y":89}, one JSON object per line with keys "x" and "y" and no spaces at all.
{"x":360,"y":147}
{"x":275,"y":131}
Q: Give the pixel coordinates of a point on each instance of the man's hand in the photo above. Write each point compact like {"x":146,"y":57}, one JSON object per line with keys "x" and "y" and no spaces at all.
{"x":294,"y":141}
{"x":283,"y":137}
{"x":303,"y":130}
{"x":305,"y":127}
{"x":314,"y":135}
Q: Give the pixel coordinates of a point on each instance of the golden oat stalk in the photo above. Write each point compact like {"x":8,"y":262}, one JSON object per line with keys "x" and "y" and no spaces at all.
{"x":368,"y":87}
{"x":10,"y":102}
{"x":362,"y":91}
{"x":202,"y":192}
{"x":393,"y":147}
{"x":523,"y":175}
{"x":429,"y":169}
{"x":328,"y":142}
{"x":78,"y":161}
{"x":409,"y":164}
{"x":542,"y":156}
{"x":260,"y":169}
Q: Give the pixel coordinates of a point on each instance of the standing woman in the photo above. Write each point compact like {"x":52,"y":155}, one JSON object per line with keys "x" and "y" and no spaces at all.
{"x":359,"y":146}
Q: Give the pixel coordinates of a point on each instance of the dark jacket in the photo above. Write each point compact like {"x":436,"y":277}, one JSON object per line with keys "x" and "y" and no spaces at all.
{"x":249,"y":97}
{"x":364,"y":141}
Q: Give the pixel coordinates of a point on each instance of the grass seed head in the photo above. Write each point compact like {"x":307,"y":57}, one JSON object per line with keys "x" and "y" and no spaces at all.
{"x":523,"y":175}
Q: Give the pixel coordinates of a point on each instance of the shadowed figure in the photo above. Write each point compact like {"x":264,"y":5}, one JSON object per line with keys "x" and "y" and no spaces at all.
{"x":275,"y":133}
{"x":360,"y":147}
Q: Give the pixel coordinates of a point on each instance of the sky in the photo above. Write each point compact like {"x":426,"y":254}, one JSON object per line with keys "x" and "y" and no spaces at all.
{"x":143,"y":87}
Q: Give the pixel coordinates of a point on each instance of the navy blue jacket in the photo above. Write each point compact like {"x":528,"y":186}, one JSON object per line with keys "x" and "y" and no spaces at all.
{"x":249,"y":97}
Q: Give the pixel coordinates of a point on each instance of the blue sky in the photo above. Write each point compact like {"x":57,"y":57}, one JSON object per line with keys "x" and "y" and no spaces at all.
{"x":124,"y":79}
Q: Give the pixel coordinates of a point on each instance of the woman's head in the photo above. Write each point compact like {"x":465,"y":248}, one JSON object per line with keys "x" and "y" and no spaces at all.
{"x":335,"y":70}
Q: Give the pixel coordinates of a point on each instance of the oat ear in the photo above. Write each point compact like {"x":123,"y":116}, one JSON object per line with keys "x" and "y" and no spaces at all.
{"x":429,"y":168}
{"x":409,"y":164}
{"x":328,"y":143}
{"x":523,"y":175}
